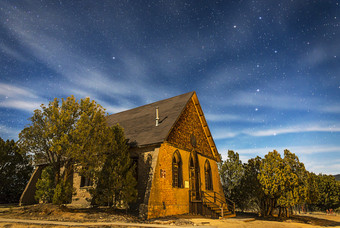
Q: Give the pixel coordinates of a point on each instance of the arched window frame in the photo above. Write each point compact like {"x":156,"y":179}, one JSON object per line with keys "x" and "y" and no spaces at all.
{"x":177,"y":176}
{"x":208,"y":176}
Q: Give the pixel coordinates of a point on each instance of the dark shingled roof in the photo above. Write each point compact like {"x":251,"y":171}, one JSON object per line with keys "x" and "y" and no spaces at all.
{"x":140,"y":123}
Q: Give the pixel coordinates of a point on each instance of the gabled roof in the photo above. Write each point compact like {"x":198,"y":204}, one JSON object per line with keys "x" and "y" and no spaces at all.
{"x":140,"y":123}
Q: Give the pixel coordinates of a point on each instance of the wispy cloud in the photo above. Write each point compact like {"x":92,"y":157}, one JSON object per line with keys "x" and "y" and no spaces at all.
{"x":225,"y":133}
{"x":222,"y":117}
{"x":13,"y":53}
{"x":8,"y":91}
{"x":293,"y":149}
{"x":16,"y":97}
{"x":294,"y":129}
{"x":81,"y":69}
{"x":259,"y":99}
{"x":24,"y":105}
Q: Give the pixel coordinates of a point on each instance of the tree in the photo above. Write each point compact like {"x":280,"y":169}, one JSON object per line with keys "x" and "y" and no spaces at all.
{"x":271,"y":178}
{"x":116,"y":182}
{"x":253,"y":195}
{"x":15,"y":170}
{"x":72,"y":133}
{"x":329,"y":192}
{"x":61,"y":134}
{"x":45,"y":186}
{"x":313,"y":193}
{"x":231,"y":172}
{"x":295,"y":186}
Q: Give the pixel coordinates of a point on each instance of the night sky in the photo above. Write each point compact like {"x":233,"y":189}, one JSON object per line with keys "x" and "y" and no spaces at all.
{"x":267,"y":73}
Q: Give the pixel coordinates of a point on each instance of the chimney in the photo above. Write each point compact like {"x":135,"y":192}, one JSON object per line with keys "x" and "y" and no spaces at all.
{"x":157,"y":116}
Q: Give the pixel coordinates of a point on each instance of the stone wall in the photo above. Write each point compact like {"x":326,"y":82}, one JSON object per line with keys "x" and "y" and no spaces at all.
{"x":188,"y":129}
{"x":167,"y":200}
{"x":164,"y":198}
{"x":186,"y":137}
{"x":82,"y":196}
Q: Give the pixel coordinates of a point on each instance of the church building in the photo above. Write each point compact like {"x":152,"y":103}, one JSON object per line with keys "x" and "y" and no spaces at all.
{"x":176,"y":160}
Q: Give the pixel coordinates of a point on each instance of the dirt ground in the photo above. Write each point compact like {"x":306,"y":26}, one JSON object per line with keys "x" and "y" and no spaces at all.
{"x":66,"y":217}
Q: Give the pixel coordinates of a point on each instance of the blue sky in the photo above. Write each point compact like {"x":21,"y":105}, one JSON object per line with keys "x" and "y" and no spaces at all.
{"x":267,"y":73}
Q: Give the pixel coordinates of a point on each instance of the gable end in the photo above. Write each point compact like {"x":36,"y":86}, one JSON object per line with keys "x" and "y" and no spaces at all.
{"x":191,"y":132}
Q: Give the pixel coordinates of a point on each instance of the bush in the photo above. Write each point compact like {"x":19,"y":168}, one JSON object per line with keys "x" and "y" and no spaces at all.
{"x":45,"y":186}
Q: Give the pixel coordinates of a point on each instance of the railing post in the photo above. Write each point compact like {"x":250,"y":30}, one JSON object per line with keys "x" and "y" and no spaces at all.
{"x":214,"y":197}
{"x":222,"y":210}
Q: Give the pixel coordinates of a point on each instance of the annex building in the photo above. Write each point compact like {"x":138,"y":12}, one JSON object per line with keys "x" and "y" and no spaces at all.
{"x":176,"y":161}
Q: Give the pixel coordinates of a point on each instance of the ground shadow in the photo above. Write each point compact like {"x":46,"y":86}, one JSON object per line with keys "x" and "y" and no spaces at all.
{"x":294,"y":218}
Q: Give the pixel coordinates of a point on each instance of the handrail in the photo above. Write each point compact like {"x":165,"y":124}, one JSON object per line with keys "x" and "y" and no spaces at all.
{"x":230,"y":201}
{"x":214,"y":197}
{"x":230,"y":204}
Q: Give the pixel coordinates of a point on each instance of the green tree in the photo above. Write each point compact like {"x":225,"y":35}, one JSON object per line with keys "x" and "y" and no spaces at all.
{"x":329,"y":192}
{"x":295,"y":186}
{"x":231,"y":172}
{"x":271,"y":178}
{"x":45,"y":186}
{"x":253,"y":195}
{"x":62,"y":134}
{"x":313,"y":193}
{"x":15,"y":170}
{"x":116,"y":182}
{"x":75,"y":132}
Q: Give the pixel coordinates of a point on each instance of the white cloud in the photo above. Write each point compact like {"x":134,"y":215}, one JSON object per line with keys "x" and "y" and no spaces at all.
{"x":14,"y":91}
{"x":294,"y":149}
{"x":18,"y":98}
{"x":222,"y":117}
{"x":272,"y":100}
{"x":24,"y":105}
{"x":325,"y":167}
{"x":223,"y":133}
{"x":331,"y":109}
{"x":294,"y":129}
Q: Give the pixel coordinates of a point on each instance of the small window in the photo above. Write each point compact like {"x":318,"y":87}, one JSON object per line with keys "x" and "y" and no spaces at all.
{"x":85,"y":182}
{"x":177,"y":181}
{"x":208,"y":176}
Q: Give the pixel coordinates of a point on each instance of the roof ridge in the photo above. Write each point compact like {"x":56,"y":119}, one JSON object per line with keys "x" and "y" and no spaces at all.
{"x":140,"y":123}
{"x":152,"y":103}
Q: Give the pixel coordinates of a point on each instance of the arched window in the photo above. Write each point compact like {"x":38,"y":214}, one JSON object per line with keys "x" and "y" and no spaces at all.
{"x":208,"y":176}
{"x":177,"y":181}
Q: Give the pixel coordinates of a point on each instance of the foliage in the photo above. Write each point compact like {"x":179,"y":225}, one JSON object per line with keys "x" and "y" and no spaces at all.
{"x":275,"y":184}
{"x":15,"y":170}
{"x":253,"y":194}
{"x":75,"y":132}
{"x":116,"y":182}
{"x":61,"y":134}
{"x":45,"y":186}
{"x":231,"y":172}
{"x":329,"y":192}
{"x":62,"y":193}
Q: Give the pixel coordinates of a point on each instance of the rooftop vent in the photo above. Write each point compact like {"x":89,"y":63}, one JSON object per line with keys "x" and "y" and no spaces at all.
{"x":157,"y":117}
